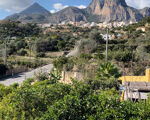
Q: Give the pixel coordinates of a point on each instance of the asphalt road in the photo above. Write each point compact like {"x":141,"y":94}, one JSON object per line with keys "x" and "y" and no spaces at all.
{"x":19,"y":78}
{"x":75,"y":51}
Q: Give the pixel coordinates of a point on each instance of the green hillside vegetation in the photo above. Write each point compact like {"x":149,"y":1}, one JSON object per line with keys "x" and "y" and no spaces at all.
{"x":27,"y":45}
{"x":34,"y":42}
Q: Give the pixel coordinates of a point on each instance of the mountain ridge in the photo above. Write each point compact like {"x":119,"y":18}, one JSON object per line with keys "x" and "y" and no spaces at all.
{"x":97,"y":11}
{"x":34,"y":13}
{"x":73,"y":14}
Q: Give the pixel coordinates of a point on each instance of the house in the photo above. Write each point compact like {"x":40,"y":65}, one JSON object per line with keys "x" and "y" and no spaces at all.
{"x":104,"y":36}
{"x":143,"y":29}
{"x":136,"y":91}
{"x":145,"y":78}
{"x":135,"y":87}
{"x":93,"y":24}
{"x":46,"y":25}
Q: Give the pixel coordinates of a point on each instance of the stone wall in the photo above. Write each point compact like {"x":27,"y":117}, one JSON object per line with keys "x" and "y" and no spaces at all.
{"x":67,"y":76}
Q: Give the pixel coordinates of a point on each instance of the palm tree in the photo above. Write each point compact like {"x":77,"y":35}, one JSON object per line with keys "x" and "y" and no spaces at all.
{"x":107,"y":76}
{"x":108,"y":70}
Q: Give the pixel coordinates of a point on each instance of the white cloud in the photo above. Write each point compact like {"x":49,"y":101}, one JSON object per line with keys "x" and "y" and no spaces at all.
{"x":57,"y":7}
{"x":138,"y":3}
{"x":52,"y":11}
{"x":81,"y":6}
{"x":14,"y":5}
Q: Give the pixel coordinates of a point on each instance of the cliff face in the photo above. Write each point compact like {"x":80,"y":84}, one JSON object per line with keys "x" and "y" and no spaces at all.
{"x":110,"y":10}
{"x":145,"y":11}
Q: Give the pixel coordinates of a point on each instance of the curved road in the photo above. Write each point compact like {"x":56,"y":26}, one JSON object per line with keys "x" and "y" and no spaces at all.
{"x":19,"y":78}
{"x":75,"y":51}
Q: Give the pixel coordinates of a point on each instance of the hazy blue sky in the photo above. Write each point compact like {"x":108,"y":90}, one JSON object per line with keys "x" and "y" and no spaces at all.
{"x":8,"y":7}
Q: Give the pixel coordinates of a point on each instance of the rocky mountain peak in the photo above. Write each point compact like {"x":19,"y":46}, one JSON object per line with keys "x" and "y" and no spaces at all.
{"x":97,"y":5}
{"x":113,"y":10}
{"x":35,"y":9}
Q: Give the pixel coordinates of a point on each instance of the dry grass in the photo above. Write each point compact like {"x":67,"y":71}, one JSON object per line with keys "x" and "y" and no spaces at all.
{"x":15,"y":58}
{"x":54,"y":54}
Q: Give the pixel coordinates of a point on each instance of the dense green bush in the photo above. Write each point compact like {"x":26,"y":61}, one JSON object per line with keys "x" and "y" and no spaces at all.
{"x":45,"y":45}
{"x":124,"y":56}
{"x":12,"y":28}
{"x":22,"y":52}
{"x":85,"y":56}
{"x":63,"y":62}
{"x":45,"y":100}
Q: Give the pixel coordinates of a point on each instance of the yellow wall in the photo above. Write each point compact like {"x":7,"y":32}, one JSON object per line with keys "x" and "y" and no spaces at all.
{"x":145,"y":78}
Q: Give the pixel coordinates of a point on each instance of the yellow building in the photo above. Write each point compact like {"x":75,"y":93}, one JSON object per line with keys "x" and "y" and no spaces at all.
{"x":145,"y":78}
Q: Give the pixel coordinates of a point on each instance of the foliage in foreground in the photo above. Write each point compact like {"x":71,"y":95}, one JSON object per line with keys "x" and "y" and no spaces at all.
{"x":51,"y":100}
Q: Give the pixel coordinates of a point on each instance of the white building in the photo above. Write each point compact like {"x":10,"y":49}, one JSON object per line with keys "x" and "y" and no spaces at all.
{"x":104,"y":36}
{"x":46,"y":25}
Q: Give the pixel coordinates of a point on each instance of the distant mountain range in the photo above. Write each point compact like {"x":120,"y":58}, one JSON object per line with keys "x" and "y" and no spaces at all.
{"x":97,"y":11}
{"x":34,"y":13}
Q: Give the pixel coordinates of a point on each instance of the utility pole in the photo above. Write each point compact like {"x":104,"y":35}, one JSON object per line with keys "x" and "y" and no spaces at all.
{"x":107,"y":46}
{"x":30,"y":47}
{"x":5,"y":50}
{"x":5,"y":53}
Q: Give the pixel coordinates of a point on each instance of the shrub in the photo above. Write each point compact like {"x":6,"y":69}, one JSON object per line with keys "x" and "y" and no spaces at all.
{"x":85,"y":56}
{"x":95,"y":36}
{"x":88,"y":46}
{"x":124,"y":56}
{"x":40,"y":76}
{"x":41,"y":54}
{"x":22,"y":52}
{"x":62,"y":62}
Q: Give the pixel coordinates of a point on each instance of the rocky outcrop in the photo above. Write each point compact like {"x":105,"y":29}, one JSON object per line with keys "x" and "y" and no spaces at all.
{"x":68,"y":14}
{"x":145,"y":11}
{"x":112,"y":10}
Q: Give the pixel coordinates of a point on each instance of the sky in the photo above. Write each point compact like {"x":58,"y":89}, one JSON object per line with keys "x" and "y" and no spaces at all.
{"x":8,"y":7}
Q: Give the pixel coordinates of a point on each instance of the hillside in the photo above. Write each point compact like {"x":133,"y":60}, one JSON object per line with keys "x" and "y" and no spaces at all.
{"x":68,"y":14}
